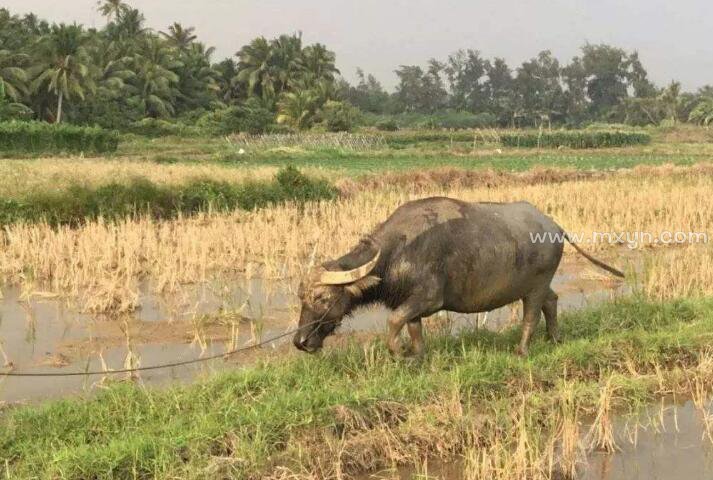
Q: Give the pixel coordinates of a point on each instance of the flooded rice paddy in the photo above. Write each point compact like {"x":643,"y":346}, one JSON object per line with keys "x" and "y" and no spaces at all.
{"x":40,"y":334}
{"x":662,"y":443}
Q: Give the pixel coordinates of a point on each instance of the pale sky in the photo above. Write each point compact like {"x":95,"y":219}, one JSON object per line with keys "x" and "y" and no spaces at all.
{"x":672,"y":37}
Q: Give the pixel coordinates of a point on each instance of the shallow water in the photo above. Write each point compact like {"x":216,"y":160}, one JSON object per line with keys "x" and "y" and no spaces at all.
{"x":672,"y":446}
{"x":44,"y":335}
{"x":677,"y":449}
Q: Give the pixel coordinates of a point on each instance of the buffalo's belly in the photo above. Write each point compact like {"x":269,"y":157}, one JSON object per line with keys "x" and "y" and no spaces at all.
{"x":498,"y":292}
{"x":489,"y":280}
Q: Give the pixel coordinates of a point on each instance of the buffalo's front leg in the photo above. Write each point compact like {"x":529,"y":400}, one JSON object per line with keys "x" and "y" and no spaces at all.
{"x":397,"y":320}
{"x":410,"y":312}
{"x":415,"y":330}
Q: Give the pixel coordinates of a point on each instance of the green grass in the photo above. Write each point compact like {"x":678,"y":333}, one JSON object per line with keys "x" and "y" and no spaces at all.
{"x":361,"y":163}
{"x":257,"y":414}
{"x":39,"y":138}
{"x":79,"y":204}
{"x":407,"y":150}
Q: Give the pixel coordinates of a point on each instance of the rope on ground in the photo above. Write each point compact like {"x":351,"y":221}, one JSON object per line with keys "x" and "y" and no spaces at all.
{"x":161,"y":366}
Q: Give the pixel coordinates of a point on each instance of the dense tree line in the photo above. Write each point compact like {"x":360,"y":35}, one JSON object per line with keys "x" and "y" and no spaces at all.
{"x":604,"y":83}
{"x":125,"y":73}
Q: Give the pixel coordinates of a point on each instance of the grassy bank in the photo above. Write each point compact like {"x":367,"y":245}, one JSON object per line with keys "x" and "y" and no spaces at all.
{"x":329,"y":415}
{"x":78,"y":204}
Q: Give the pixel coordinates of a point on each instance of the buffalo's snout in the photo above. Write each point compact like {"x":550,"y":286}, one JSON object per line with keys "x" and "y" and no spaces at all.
{"x":301,"y":341}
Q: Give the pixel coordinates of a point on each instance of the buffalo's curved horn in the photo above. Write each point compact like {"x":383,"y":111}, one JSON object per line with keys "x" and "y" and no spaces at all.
{"x":349,"y":276}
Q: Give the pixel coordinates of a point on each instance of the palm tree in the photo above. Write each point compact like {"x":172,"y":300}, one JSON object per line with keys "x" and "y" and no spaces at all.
{"x":179,"y":37}
{"x":297,"y":109}
{"x":703,"y":112}
{"x":255,"y":68}
{"x":198,"y":83}
{"x":156,"y":81}
{"x":112,"y":9}
{"x":13,"y":75}
{"x":10,"y":109}
{"x":109,"y":68}
{"x":63,"y":70}
{"x":319,"y":62}
{"x":286,"y":58}
{"x":130,"y":24}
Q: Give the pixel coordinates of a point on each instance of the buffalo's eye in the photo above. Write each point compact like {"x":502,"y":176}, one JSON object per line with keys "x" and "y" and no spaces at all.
{"x":322,"y":298}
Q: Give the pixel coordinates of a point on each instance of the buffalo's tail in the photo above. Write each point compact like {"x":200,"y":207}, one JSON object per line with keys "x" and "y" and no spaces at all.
{"x":596,"y":262}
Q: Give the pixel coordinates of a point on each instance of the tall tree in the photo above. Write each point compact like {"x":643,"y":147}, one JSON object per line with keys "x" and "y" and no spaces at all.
{"x":180,"y":37}
{"x":670,"y":100}
{"x":256,"y":69}
{"x":112,"y":9}
{"x":318,"y":62}
{"x":63,"y":69}
{"x":466,"y":71}
{"x":574,"y":77}
{"x":607,"y":76}
{"x":499,"y":86}
{"x":155,"y":85}
{"x":13,"y":75}
{"x":368,"y":94}
{"x":539,"y":88}
{"x":638,"y":77}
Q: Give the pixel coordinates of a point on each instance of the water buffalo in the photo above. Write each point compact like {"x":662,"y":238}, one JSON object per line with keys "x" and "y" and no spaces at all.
{"x":441,"y":254}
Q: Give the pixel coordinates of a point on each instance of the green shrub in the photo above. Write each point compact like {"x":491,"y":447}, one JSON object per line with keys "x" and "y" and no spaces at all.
{"x":464,"y":120}
{"x":575,"y":139}
{"x":251,"y":118}
{"x":45,"y":138}
{"x":140,"y":196}
{"x":451,"y":120}
{"x":156,"y":127}
{"x":387,"y":125}
{"x":412,"y":137}
{"x":339,"y":116}
{"x":256,"y":117}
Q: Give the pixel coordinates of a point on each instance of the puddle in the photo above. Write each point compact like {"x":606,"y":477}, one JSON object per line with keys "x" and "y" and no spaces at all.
{"x":674,"y":446}
{"x":677,"y":449}
{"x":44,"y":335}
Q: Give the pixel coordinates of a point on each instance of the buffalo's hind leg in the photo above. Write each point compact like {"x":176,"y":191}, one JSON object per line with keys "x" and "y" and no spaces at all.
{"x":531,"y":310}
{"x":549,"y":308}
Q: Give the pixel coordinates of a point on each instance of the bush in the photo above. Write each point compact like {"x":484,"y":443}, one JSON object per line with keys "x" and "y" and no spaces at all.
{"x":451,"y":120}
{"x":339,"y":116}
{"x":387,"y":125}
{"x":140,"y":196}
{"x":156,"y":127}
{"x":45,"y":138}
{"x":575,"y":139}
{"x":256,"y":117}
{"x":220,"y":122}
{"x":464,"y":120}
{"x":251,"y":118}
{"x":412,"y":137}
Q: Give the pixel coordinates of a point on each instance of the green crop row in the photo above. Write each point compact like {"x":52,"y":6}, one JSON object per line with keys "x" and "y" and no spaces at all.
{"x":140,"y":196}
{"x":575,"y":139}
{"x":45,"y":138}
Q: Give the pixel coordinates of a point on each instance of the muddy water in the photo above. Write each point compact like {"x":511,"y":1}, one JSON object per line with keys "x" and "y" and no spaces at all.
{"x":44,"y":335}
{"x":676,"y":449}
{"x":668,"y":444}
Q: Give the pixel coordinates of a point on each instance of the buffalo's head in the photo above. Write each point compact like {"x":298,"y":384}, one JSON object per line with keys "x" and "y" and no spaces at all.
{"x":327,"y":296}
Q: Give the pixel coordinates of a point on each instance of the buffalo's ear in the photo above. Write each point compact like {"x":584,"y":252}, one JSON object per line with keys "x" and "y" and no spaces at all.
{"x":358,"y":288}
